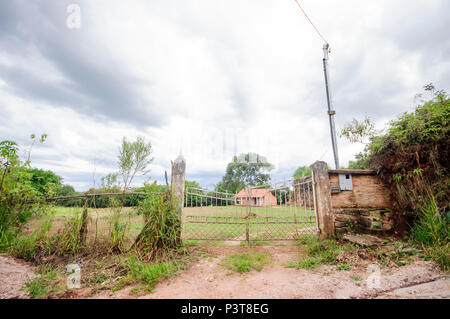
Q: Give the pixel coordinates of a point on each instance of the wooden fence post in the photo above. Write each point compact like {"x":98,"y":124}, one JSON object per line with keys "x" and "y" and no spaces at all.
{"x":84,"y":220}
{"x":322,"y":190}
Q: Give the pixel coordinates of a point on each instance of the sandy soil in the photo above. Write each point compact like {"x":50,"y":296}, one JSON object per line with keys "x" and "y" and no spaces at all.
{"x":208,"y":279}
{"x":13,"y":275}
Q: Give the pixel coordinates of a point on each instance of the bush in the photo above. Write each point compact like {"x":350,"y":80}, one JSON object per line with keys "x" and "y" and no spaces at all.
{"x":18,"y":198}
{"x":432,"y":229}
{"x":162,"y":229}
{"x":412,"y":157}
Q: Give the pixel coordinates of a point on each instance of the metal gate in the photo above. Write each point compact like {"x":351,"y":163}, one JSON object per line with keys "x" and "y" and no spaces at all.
{"x":283,"y":211}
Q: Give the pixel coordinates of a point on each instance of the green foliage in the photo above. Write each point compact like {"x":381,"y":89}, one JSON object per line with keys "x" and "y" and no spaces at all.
{"x":44,"y":182}
{"x":134,"y":158}
{"x":308,"y":263}
{"x":303,"y":171}
{"x":41,"y":242}
{"x":195,"y":201}
{"x":412,"y":155}
{"x":151,"y":274}
{"x":246,"y":170}
{"x":432,"y":229}
{"x":162,"y":231}
{"x":343,"y":266}
{"x":359,"y":131}
{"x":64,"y":190}
{"x":33,"y":137}
{"x":18,"y":197}
{"x":245,"y":262}
{"x":118,"y":228}
{"x":42,"y":285}
{"x":439,"y":254}
{"x":110,"y":181}
{"x":362,"y":161}
{"x":319,"y":253}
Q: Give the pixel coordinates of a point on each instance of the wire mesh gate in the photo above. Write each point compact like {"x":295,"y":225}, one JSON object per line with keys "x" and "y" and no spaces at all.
{"x":283,"y":211}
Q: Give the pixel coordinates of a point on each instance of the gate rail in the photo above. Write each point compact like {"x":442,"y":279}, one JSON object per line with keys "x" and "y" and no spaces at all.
{"x":282,"y":211}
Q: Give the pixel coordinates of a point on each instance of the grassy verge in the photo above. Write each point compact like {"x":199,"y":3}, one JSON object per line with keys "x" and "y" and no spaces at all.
{"x":344,"y":255}
{"x":149,"y":274}
{"x":321,"y":253}
{"x":245,"y":262}
{"x":431,"y":233}
{"x":47,"y":282}
{"x":108,"y":260}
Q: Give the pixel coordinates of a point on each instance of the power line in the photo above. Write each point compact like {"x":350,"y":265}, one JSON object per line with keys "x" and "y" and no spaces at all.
{"x":307,"y":17}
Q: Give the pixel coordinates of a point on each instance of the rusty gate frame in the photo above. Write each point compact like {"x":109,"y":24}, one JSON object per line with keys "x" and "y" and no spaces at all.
{"x":196,"y":217}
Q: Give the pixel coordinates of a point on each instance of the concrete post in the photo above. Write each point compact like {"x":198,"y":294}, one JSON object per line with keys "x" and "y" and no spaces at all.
{"x":322,"y":190}
{"x":177,"y":179}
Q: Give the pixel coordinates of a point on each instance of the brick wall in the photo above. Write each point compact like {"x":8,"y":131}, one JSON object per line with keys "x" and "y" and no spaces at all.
{"x":366,"y":208}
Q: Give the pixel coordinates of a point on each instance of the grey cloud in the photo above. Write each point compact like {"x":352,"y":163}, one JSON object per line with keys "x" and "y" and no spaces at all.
{"x":91,"y":86}
{"x":426,"y":33}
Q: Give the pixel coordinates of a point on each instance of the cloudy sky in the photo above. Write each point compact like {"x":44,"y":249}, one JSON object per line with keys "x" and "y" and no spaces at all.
{"x":209,"y":78}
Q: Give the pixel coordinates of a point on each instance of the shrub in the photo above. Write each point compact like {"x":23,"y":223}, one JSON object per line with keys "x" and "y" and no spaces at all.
{"x":18,"y":198}
{"x":245,"y":262}
{"x":162,"y":229}
{"x":151,"y":274}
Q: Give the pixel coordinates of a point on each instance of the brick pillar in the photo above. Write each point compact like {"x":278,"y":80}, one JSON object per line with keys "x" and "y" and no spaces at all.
{"x":177,"y":179}
{"x":322,"y":191}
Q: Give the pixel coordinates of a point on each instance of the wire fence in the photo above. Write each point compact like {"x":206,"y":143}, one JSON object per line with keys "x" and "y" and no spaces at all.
{"x":281,"y":211}
{"x":101,"y":211}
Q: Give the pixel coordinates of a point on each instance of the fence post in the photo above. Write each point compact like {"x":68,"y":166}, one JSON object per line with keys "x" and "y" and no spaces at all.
{"x":322,"y":190}
{"x":177,"y":180}
{"x":84,"y":220}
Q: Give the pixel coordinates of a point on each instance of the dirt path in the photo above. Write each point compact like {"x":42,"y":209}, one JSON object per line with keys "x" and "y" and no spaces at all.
{"x":13,"y":275}
{"x":208,"y":279}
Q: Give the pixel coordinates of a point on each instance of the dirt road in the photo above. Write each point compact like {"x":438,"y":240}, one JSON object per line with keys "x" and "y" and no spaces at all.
{"x":207,"y":278}
{"x":13,"y":275}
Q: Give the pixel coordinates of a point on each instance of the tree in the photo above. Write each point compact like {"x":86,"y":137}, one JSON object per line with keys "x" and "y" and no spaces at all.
{"x":42,"y":139}
{"x":246,"y":170}
{"x":17,"y":195}
{"x":134,"y":158}
{"x":44,"y":181}
{"x":109,"y":181}
{"x":360,"y":132}
{"x":303,"y":171}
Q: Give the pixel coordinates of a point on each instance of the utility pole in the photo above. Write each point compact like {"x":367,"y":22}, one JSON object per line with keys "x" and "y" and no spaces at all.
{"x":331,"y":112}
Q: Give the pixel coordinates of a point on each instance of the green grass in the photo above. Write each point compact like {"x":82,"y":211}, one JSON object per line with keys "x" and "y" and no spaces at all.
{"x":431,"y":233}
{"x":245,"y":262}
{"x":308,"y":263}
{"x":439,"y":254}
{"x":320,"y":253}
{"x":41,"y":286}
{"x":149,"y":274}
{"x":343,"y":266}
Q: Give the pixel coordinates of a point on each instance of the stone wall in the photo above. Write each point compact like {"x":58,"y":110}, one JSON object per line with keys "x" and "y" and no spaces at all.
{"x":365,"y":208}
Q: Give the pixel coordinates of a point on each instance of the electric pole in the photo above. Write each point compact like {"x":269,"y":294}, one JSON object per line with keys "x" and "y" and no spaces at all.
{"x":331,"y":112}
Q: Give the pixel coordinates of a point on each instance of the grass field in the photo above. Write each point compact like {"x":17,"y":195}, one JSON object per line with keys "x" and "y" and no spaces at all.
{"x":99,"y":224}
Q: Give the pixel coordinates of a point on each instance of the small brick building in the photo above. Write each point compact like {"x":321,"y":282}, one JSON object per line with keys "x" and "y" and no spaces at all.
{"x":258,"y":197}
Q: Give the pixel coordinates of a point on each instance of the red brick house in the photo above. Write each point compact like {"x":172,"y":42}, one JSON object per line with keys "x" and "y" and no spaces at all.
{"x":258,"y":197}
